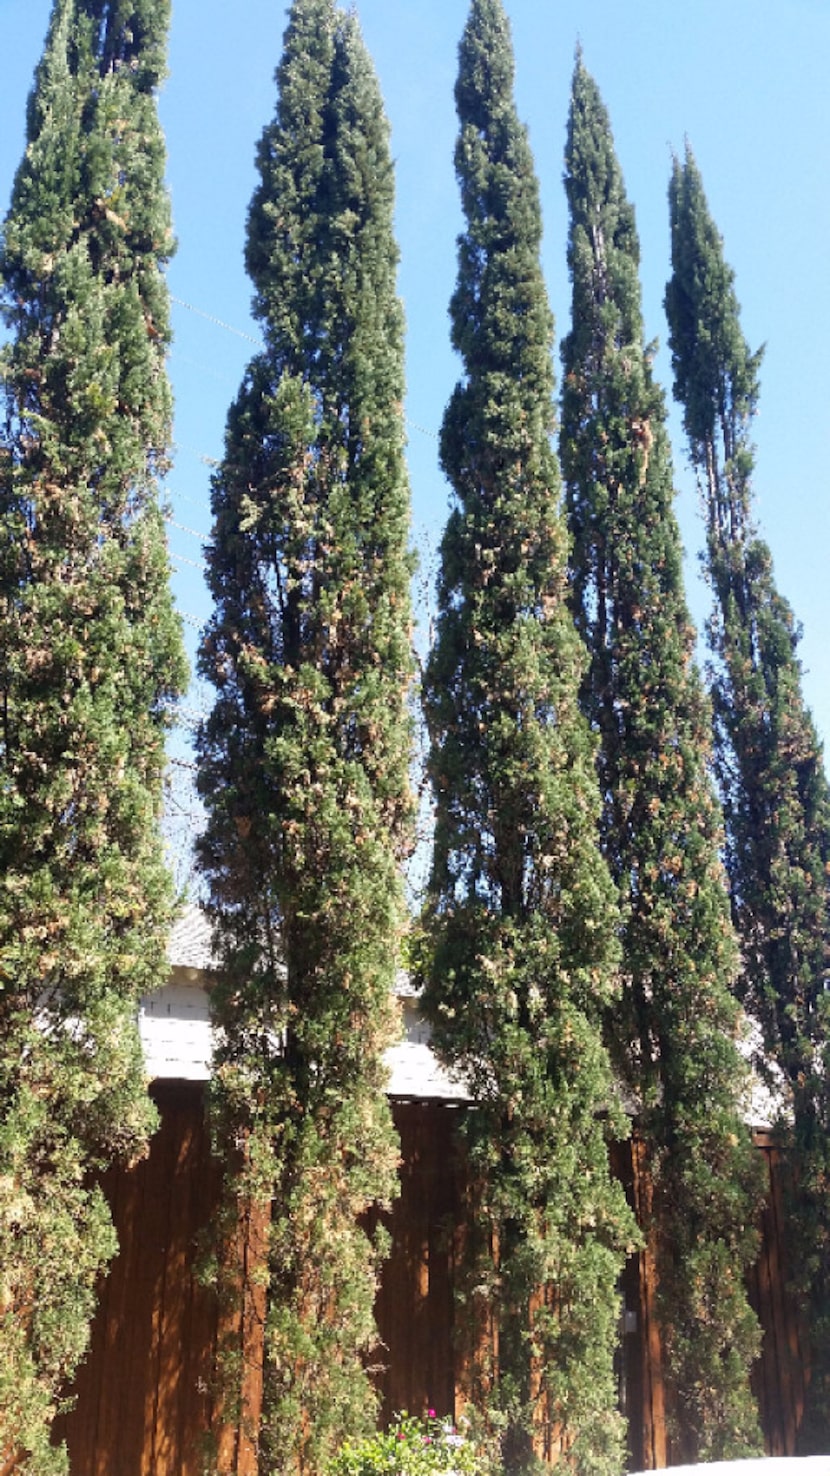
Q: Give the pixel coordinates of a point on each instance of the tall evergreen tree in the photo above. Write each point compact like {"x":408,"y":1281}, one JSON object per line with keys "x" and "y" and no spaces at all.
{"x":304,"y":759}
{"x":661,"y":826}
{"x":769,"y":761}
{"x":520,"y":920}
{"x":90,"y":658}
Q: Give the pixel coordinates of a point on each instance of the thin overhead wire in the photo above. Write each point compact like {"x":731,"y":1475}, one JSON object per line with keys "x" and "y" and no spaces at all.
{"x":249,"y":337}
{"x":187,"y":764}
{"x":191,"y":563}
{"x":218,"y":322}
{"x":413,"y":425}
{"x":183,"y":528}
{"x":190,"y":717}
{"x":210,"y":461}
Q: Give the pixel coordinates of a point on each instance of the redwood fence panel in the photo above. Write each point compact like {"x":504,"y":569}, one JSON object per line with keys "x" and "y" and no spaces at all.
{"x":415,"y":1308}
{"x":143,"y":1398}
{"x":781,"y":1369}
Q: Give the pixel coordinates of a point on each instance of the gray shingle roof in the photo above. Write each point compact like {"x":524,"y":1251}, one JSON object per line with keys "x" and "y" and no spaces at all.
{"x":190,"y":944}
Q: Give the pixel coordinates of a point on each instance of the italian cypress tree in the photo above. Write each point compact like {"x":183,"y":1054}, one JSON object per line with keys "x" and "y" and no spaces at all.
{"x":304,"y":759}
{"x":90,"y":659}
{"x":521,"y":923}
{"x":769,"y":761}
{"x":676,"y":1030}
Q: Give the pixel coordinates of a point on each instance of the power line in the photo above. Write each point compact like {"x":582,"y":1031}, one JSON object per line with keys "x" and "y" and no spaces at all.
{"x":413,"y":425}
{"x":211,"y":461}
{"x":240,"y":333}
{"x":190,"y":717}
{"x":210,"y":318}
{"x":191,"y":563}
{"x":183,"y":528}
{"x":179,"y":763}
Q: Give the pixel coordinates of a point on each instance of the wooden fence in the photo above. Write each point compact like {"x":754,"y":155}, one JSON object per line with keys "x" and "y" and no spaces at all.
{"x":144,"y":1405}
{"x":780,"y":1373}
{"x":143,"y":1395}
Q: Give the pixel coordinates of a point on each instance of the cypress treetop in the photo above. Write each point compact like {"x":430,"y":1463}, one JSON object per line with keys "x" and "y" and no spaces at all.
{"x":305,"y":756}
{"x":90,"y":661}
{"x":769,"y":760}
{"x":675,"y":1034}
{"x":520,"y":919}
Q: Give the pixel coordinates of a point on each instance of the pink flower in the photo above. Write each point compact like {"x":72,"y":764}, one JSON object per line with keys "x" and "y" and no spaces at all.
{"x":431,"y":1414}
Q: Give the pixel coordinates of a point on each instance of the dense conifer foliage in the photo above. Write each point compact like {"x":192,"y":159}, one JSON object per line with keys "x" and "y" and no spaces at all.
{"x":769,"y":762}
{"x":304,"y":759}
{"x":520,"y":920}
{"x":675,"y":1033}
{"x":90,"y":658}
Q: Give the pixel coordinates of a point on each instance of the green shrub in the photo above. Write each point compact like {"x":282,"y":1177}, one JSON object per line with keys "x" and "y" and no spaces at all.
{"x":410,"y":1447}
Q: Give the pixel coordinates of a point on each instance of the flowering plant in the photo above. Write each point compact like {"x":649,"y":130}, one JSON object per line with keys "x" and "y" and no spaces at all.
{"x":410,"y":1447}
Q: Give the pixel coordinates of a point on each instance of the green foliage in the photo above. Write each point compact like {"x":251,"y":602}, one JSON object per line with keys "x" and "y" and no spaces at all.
{"x":520,"y":920}
{"x":674,"y":1034}
{"x":304,"y":759}
{"x":769,"y":761}
{"x":90,"y":660}
{"x":410,"y":1447}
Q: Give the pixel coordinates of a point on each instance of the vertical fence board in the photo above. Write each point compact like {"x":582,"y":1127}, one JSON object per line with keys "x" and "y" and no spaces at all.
{"x":121,"y":1417}
{"x":91,"y":1380}
{"x":199,"y":1333}
{"x":143,"y":1351}
{"x":784,"y":1340}
{"x":631,"y":1362}
{"x":767,"y":1376}
{"x":652,"y":1414}
{"x":241,"y":1330}
{"x":175,"y":1293}
{"x":784,"y":1359}
{"x":414,"y":1307}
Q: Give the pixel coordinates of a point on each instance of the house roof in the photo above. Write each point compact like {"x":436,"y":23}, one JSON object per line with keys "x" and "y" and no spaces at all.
{"x":190,"y":945}
{"x":177,"y":1034}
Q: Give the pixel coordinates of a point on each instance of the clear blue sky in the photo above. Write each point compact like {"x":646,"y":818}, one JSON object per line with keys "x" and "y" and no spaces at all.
{"x":744,"y":80}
